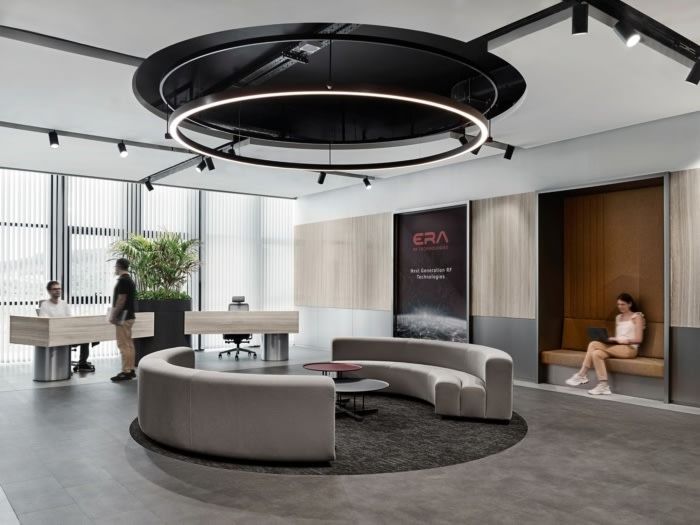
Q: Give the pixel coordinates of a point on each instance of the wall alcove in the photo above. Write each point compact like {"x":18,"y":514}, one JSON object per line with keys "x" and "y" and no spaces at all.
{"x":595,"y":243}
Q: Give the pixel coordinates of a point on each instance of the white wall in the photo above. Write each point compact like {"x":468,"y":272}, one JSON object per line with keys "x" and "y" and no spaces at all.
{"x":663,"y":145}
{"x":655,"y":147}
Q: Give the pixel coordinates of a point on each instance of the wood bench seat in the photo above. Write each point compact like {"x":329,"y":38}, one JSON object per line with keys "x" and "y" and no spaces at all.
{"x":649,"y":362}
{"x":639,"y":366}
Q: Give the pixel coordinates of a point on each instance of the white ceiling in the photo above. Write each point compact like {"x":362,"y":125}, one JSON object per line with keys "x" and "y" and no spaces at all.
{"x":585,"y":84}
{"x":576,"y":86}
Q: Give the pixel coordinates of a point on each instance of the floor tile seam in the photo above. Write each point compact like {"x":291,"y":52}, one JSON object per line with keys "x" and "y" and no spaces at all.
{"x":4,"y":498}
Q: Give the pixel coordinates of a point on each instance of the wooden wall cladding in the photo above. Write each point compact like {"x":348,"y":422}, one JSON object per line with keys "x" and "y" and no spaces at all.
{"x":345,"y":263}
{"x":503,"y":256}
{"x":685,"y":248}
{"x":614,"y":243}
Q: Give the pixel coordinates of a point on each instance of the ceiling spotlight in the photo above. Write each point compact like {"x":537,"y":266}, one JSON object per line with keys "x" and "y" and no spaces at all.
{"x":53,"y":139}
{"x":321,"y":177}
{"x":628,"y":35}
{"x":579,"y":19}
{"x":209,"y":163}
{"x":122,"y":150}
{"x":148,"y":184}
{"x":463,"y":140}
{"x":694,"y":75}
{"x":168,"y":136}
{"x":509,"y":152}
{"x":475,"y":151}
{"x":200,"y":167}
{"x":368,"y":184}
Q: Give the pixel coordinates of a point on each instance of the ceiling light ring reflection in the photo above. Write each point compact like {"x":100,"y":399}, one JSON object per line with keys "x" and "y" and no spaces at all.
{"x":470,"y":116}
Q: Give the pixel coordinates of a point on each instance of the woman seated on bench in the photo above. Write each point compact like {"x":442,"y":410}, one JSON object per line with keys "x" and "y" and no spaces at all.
{"x":629,"y":332}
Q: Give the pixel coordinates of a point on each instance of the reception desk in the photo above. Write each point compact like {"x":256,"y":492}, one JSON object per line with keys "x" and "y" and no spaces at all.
{"x":52,"y":338}
{"x":275,"y":328}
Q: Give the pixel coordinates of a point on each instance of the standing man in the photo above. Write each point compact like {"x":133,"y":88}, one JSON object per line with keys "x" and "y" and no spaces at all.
{"x":122,"y":315}
{"x":54,"y":306}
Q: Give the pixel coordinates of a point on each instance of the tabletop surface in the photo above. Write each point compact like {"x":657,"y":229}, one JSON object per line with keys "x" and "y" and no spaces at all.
{"x":332,"y":367}
{"x":348,"y":386}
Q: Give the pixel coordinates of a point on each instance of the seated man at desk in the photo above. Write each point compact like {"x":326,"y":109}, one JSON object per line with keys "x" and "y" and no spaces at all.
{"x":54,"y":306}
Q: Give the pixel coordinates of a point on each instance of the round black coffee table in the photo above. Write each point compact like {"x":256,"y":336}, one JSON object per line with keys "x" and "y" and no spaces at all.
{"x":354,"y":388}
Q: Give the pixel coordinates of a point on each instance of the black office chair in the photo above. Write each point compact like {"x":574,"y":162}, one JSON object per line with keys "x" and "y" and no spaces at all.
{"x":238,"y":304}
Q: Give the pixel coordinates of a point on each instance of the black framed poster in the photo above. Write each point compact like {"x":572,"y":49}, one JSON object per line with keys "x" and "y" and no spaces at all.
{"x":430,"y":274}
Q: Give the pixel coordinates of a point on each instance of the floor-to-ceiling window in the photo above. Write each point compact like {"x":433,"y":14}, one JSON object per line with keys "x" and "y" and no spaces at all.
{"x":247,"y":249}
{"x":24,"y":251}
{"x":56,"y":227}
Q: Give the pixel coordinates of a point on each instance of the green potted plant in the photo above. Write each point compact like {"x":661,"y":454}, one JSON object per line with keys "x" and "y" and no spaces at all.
{"x":160,"y":268}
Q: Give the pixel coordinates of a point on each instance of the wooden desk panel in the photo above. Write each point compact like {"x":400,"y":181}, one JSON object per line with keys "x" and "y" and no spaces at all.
{"x":241,"y":322}
{"x":59,"y":331}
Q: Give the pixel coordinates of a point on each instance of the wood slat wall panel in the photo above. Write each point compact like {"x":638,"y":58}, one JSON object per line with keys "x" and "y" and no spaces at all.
{"x":503,"y":256}
{"x":613,"y":243}
{"x":685,"y":248}
{"x":344,"y":263}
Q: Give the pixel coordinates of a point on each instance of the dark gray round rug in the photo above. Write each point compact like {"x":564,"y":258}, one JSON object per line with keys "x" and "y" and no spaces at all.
{"x":405,"y":435}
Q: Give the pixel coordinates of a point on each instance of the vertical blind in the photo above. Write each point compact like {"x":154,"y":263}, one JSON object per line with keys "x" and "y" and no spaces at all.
{"x":247,"y":245}
{"x":96,"y":217}
{"x":24,"y":251}
{"x":247,"y":249}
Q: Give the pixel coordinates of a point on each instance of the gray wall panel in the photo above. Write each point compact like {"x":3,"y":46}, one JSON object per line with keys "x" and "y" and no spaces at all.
{"x":685,"y":366}
{"x":518,"y":337}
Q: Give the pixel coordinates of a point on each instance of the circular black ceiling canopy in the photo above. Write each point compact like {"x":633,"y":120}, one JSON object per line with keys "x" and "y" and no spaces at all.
{"x":318,"y":56}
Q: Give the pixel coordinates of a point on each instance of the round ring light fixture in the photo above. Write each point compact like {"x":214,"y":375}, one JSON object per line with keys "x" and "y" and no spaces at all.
{"x":471,"y":118}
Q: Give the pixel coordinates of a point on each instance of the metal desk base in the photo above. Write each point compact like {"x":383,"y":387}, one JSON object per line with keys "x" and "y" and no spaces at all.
{"x":51,"y":363}
{"x":275,"y":347}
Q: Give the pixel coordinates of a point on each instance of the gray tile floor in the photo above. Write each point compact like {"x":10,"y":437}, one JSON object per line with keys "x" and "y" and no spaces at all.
{"x":66,"y":457}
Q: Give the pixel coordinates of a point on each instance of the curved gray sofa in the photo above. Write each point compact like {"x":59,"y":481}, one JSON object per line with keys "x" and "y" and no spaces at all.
{"x":247,"y":416}
{"x":459,"y":379}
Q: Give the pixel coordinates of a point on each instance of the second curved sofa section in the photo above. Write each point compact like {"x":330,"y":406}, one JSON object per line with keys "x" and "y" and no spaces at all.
{"x":247,"y":416}
{"x":459,"y":379}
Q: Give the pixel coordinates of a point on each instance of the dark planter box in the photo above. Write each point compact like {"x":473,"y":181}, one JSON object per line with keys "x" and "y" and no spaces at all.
{"x":168,"y":325}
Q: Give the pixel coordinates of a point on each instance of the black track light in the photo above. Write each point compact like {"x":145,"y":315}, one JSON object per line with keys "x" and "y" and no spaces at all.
{"x":628,"y":35}
{"x":694,"y":75}
{"x":321,"y":177}
{"x":463,"y":140}
{"x":148,"y":184}
{"x":475,"y":151}
{"x":210,"y":163}
{"x":122,"y":150}
{"x":168,"y":136}
{"x":579,"y":19}
{"x":368,"y":184}
{"x":53,"y":139}
{"x":200,"y":167}
{"x":509,"y":152}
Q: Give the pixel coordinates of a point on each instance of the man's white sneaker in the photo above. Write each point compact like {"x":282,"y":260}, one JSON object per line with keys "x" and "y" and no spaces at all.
{"x":576,"y":380}
{"x":600,"y":389}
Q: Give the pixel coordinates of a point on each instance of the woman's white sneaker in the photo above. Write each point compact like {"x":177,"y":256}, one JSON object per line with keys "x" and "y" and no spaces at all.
{"x":576,"y":380}
{"x":600,"y":389}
